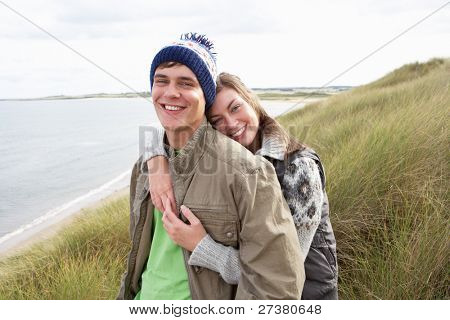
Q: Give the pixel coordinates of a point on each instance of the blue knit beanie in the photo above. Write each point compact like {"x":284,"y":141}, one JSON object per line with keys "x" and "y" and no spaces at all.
{"x":194,"y":51}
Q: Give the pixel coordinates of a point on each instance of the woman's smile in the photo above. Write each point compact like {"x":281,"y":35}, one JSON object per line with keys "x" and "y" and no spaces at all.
{"x":238,"y":133}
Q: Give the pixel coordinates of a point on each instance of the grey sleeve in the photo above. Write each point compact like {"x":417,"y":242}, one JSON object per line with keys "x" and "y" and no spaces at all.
{"x":153,"y":143}
{"x":304,"y":195}
{"x":217,"y":257}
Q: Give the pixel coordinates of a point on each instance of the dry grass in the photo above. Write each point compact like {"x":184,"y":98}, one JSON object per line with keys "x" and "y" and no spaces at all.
{"x":385,"y":147}
{"x":84,"y":261}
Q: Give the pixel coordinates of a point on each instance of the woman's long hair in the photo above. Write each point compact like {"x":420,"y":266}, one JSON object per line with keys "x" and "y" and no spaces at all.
{"x":267,"y":125}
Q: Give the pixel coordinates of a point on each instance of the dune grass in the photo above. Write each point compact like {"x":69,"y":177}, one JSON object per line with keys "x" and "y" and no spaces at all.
{"x":84,"y":261}
{"x":385,"y":147}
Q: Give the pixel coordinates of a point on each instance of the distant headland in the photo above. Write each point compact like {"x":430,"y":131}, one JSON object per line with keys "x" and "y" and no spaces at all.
{"x":263,"y":93}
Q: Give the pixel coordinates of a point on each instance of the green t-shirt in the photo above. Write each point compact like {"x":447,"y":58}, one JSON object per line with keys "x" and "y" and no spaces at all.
{"x":165,"y":276}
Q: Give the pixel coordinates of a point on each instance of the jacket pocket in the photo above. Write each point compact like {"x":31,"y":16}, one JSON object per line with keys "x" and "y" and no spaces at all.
{"x":218,"y":223}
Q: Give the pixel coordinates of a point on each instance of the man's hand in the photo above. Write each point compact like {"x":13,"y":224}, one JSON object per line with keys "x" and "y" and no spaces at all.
{"x":185,"y":235}
{"x":160,"y":183}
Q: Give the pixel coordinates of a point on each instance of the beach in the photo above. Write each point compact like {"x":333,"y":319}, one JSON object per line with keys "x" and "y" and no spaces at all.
{"x":51,"y":230}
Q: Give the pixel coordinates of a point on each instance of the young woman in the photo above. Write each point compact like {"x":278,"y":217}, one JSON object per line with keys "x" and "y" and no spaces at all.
{"x":237,"y":113}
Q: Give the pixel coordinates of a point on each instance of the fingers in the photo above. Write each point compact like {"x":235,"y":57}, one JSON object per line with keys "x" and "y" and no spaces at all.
{"x":171,"y":197}
{"x":166,"y":223}
{"x":163,"y":201}
{"x":168,"y":206}
{"x":157,"y":202}
{"x":189,"y":215}
{"x":171,"y":217}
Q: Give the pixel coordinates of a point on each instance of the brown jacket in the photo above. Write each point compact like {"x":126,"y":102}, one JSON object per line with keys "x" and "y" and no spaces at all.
{"x":238,"y":199}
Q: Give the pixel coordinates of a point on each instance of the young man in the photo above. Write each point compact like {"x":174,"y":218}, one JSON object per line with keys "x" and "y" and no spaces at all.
{"x":234,"y":194}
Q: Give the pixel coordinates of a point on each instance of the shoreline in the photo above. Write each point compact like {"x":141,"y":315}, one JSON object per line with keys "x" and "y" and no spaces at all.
{"x":52,"y":229}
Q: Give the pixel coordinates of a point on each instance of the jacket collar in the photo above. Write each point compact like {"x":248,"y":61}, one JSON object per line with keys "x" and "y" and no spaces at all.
{"x":272,"y":147}
{"x":184,"y":161}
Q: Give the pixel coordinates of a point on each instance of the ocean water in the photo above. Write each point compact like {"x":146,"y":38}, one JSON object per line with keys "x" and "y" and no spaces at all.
{"x":58,"y":156}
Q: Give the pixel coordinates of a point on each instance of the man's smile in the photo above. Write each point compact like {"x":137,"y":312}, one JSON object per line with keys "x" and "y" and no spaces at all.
{"x":172,"y":108}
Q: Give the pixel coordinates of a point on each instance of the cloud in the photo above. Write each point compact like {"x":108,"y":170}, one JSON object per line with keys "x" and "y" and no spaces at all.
{"x":273,"y":43}
{"x":114,"y":19}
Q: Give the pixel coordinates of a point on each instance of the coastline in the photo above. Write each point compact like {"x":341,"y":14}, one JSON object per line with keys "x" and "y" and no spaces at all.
{"x":52,"y":229}
{"x":263,"y":94}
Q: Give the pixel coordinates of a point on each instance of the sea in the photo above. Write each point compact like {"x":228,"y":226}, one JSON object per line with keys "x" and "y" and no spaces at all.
{"x":58,"y":156}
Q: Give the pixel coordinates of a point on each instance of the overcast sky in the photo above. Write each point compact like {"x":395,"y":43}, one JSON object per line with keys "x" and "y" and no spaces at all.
{"x":267,"y":43}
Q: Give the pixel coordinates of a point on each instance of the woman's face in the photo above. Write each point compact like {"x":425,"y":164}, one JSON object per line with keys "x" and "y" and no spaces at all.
{"x":234,"y":117}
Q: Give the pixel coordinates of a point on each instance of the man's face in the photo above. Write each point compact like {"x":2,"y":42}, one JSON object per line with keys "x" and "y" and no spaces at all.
{"x":178,"y":98}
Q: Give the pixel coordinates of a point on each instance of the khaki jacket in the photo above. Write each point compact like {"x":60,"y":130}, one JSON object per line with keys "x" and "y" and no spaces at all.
{"x":238,"y":199}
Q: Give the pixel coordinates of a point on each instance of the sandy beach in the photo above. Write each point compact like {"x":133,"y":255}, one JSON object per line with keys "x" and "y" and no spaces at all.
{"x":51,"y":230}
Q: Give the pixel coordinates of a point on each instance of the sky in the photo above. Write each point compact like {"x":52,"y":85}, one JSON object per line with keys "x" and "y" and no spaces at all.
{"x":267,"y":43}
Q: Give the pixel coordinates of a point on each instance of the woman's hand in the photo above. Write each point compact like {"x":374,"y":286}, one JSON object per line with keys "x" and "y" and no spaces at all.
{"x":185,"y":235}
{"x":160,"y":183}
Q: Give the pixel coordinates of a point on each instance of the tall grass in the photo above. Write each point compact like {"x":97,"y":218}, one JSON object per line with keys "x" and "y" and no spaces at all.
{"x":385,"y":147}
{"x":84,"y":261}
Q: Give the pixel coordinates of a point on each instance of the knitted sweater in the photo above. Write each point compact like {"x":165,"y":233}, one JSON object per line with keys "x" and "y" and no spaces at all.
{"x":302,"y":190}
